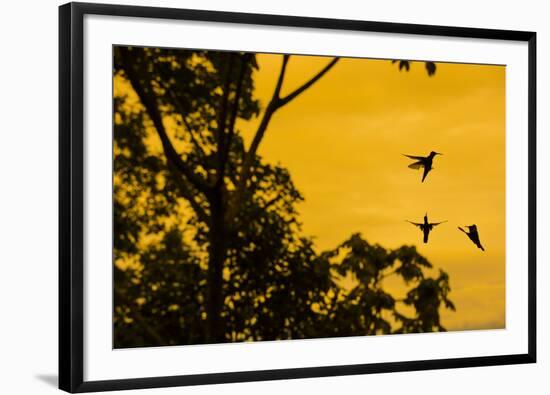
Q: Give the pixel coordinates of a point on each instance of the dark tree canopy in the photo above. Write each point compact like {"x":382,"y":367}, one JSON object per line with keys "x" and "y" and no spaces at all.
{"x":208,"y":245}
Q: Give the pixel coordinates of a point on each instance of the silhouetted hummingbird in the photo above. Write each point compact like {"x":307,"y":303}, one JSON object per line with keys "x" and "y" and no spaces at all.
{"x":473,"y":235}
{"x":426,"y":227}
{"x":423,"y":161}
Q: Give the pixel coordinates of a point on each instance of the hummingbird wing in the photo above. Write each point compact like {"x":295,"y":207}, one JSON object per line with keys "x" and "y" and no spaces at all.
{"x":437,"y":223}
{"x":415,"y":224}
{"x":462,"y":230}
{"x":416,"y":165}
{"x":414,"y":157}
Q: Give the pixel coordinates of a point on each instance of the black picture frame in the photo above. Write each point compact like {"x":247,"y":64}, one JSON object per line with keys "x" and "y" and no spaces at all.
{"x":71,"y":204}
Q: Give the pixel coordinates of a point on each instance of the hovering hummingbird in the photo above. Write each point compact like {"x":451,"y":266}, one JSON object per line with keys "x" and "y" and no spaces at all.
{"x":426,"y":227}
{"x":423,"y":161}
{"x":473,"y":235}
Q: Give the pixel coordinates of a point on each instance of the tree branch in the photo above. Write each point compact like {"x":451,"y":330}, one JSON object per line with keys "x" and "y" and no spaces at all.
{"x":189,"y":194}
{"x":258,"y":136}
{"x":275,"y":103}
{"x":267,"y":204}
{"x":180,"y":108}
{"x":223,"y":120}
{"x":187,"y":191}
{"x":383,"y":276}
{"x":270,"y":109}
{"x":235,"y":110}
{"x":295,"y":93}
{"x":150,"y":104}
{"x":279,"y":85}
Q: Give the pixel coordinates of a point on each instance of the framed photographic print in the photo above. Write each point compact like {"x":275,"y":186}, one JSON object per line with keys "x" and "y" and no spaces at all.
{"x":257,"y":197}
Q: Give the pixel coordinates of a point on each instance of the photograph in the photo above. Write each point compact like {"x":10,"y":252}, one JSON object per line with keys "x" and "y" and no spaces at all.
{"x":263,"y":196}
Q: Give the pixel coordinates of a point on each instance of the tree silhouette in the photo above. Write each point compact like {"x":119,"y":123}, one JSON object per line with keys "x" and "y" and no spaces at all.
{"x":208,"y":246}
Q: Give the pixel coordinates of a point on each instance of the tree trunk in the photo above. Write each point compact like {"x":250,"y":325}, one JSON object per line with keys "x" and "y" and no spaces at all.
{"x":217,"y":252}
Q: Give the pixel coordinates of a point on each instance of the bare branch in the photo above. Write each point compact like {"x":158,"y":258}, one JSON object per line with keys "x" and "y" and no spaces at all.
{"x":279,"y":85}
{"x":251,"y":153}
{"x":275,"y":103}
{"x":271,"y":107}
{"x":294,"y":94}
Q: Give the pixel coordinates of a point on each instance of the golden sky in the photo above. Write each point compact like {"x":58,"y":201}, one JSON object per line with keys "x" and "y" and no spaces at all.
{"x":342,"y":141}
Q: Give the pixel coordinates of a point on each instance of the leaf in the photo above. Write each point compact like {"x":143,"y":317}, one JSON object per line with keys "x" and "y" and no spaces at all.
{"x":430,"y":68}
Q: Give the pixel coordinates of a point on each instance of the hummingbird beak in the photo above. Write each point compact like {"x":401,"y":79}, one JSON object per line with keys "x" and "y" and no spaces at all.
{"x":438,"y":153}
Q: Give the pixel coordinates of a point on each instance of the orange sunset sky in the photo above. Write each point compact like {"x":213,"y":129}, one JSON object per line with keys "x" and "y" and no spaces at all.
{"x":342,"y":141}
